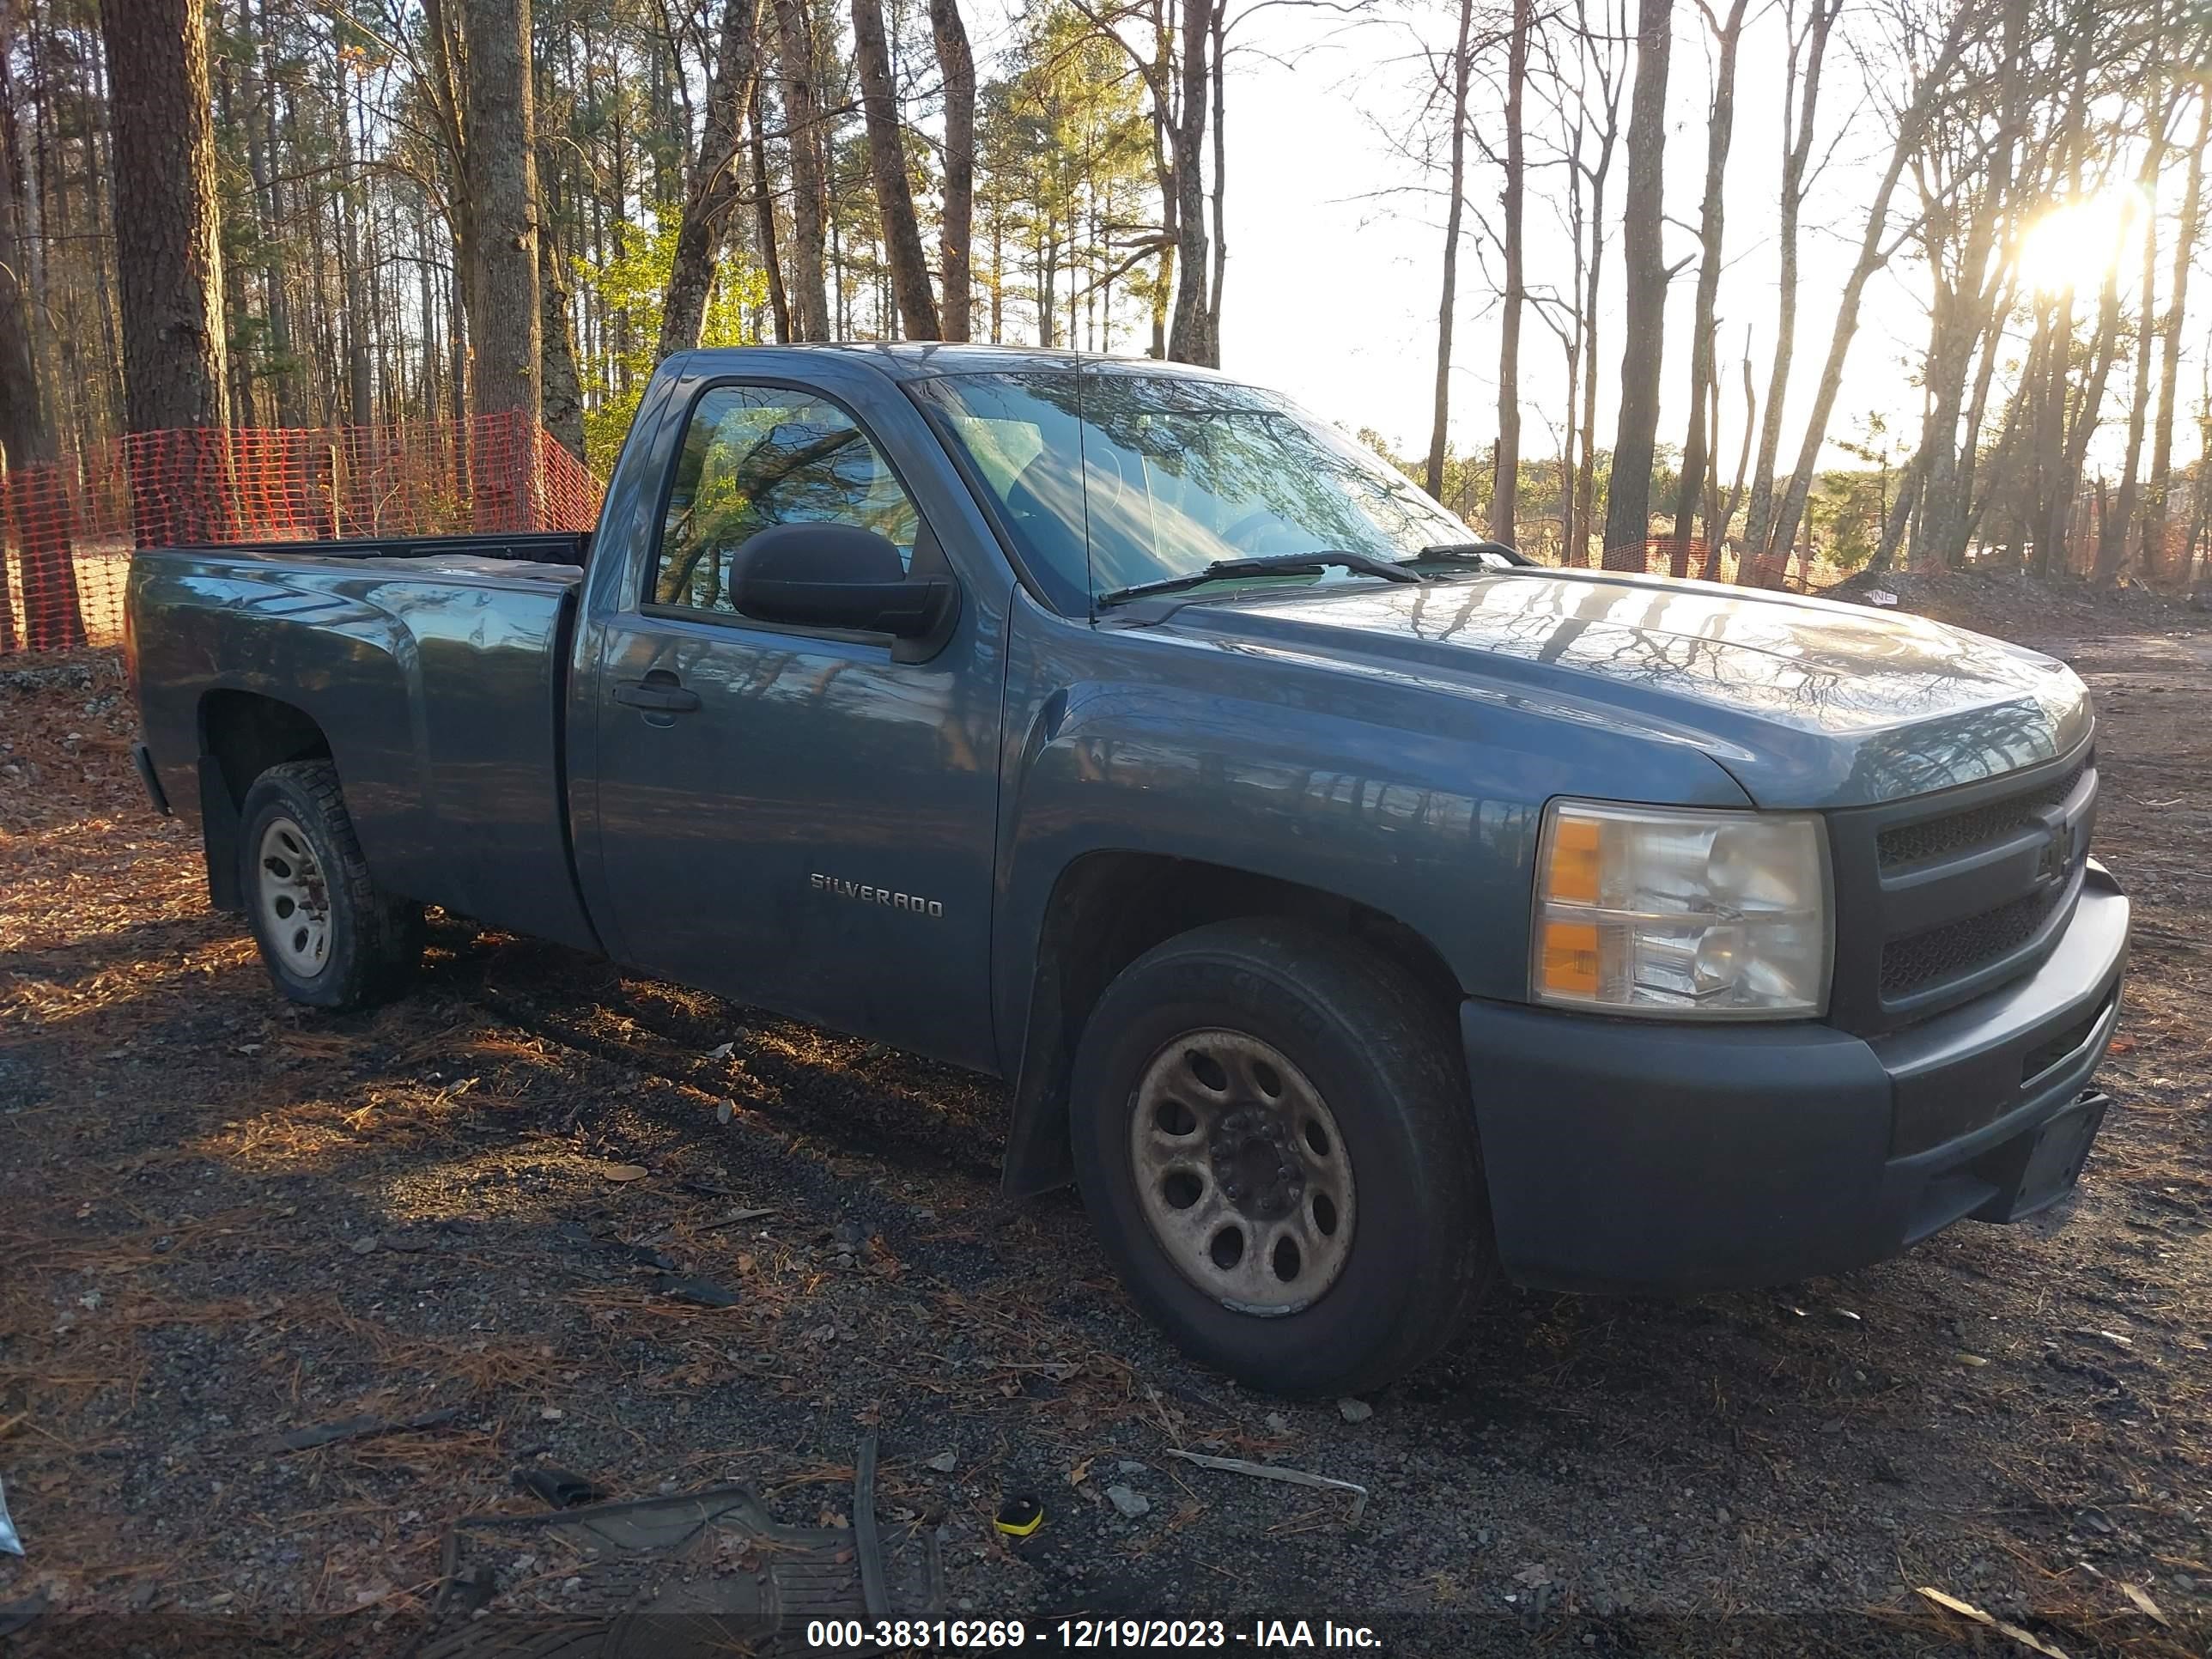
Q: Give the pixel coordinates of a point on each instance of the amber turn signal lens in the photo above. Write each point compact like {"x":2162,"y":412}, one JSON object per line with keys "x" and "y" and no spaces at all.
{"x":1575,"y":854}
{"x":1570,"y":959}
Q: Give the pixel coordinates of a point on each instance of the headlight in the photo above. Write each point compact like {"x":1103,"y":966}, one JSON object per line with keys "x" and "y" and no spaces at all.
{"x":1681,"y":915}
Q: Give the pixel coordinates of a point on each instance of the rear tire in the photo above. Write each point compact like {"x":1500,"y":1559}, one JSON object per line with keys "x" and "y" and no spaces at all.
{"x":1274,"y":1137}
{"x":328,"y":937}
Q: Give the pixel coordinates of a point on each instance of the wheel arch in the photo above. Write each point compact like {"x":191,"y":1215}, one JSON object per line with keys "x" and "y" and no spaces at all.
{"x":1107,"y":908}
{"x":241,"y":735}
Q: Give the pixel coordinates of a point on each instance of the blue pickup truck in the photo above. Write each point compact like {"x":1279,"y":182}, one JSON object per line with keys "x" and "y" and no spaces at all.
{"x":1360,"y":914}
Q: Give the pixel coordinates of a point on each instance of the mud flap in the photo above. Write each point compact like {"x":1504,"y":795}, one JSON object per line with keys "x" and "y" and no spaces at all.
{"x":219,"y":837}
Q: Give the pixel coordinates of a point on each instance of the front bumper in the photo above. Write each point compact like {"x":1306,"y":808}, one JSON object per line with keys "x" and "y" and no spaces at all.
{"x":1625,"y":1154}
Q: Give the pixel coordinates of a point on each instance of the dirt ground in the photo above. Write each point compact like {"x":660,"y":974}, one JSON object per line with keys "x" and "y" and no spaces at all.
{"x":223,"y":1218}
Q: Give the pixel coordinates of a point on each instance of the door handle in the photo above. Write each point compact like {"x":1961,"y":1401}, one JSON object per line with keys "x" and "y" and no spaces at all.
{"x":663,"y":695}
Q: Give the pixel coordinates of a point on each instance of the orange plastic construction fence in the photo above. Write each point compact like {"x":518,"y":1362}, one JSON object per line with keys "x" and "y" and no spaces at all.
{"x":67,"y":530}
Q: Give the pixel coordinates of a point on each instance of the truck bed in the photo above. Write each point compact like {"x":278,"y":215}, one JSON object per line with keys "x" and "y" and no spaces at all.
{"x":432,"y":668}
{"x":526,"y":552}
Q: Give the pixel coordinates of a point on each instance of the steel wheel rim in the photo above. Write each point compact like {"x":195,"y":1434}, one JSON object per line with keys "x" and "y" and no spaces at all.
{"x":1241,"y":1172}
{"x":293,"y":899}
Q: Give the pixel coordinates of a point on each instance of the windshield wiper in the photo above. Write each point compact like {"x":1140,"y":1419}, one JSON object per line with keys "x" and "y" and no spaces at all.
{"x":1491,"y":555}
{"x":1278,"y":564}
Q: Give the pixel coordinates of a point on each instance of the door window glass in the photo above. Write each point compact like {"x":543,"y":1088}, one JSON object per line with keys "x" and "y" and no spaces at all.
{"x":754,"y":457}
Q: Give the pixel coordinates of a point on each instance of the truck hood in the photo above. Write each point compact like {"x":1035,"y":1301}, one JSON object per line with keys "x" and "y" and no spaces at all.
{"x":1806,"y":702}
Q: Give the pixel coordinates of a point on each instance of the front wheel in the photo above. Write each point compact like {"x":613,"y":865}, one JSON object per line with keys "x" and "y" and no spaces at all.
{"x":1273,"y":1135}
{"x":328,"y":937}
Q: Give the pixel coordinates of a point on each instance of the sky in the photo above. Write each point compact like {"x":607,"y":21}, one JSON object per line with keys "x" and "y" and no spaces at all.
{"x":1336,"y":247}
{"x":1332,"y":290}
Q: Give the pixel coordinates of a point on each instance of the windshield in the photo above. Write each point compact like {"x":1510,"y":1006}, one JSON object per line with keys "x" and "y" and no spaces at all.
{"x":1108,"y":481}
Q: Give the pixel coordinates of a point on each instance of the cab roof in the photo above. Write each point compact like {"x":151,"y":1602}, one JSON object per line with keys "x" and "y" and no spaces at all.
{"x":922,"y":360}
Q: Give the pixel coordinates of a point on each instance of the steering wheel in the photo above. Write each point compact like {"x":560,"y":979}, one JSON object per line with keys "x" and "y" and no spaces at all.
{"x":1258,"y":518}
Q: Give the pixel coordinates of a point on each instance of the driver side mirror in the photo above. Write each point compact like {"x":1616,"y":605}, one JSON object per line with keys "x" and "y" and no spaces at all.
{"x":839,"y":575}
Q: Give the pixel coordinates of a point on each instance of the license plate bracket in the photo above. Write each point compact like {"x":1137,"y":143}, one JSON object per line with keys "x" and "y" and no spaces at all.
{"x":2044,"y":1166}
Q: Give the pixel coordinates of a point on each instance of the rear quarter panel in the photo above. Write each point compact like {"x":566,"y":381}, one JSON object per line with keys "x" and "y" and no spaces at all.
{"x":439,"y":694}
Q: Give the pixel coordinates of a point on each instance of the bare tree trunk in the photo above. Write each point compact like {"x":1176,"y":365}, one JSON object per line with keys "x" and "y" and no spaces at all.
{"x":1705,"y":376}
{"x":1911,"y":124}
{"x":1570,"y":349}
{"x":1462,"y":68}
{"x":457,"y":344}
{"x":1714,"y":543}
{"x":1505,"y":482}
{"x":712,"y":190}
{"x":764,"y":226}
{"x":1159,"y":72}
{"x":27,"y":435}
{"x":169,"y":261}
{"x":1972,"y":300}
{"x":269,"y":198}
{"x":1628,"y":499}
{"x":2161,"y":447}
{"x":2200,"y":510}
{"x":448,"y":99}
{"x":2113,"y":532}
{"x":1900,"y":514}
{"x":236,"y":308}
{"x":1798,"y":125}
{"x":1217,"y":31}
{"x":2087,"y":414}
{"x":2058,"y":478}
{"x":2047,"y":358}
{"x":1710,"y":507}
{"x":563,"y":388}
{"x":2114,"y":528}
{"x":345,"y":208}
{"x":802,"y":120}
{"x":508,"y":323}
{"x":1949,"y":537}
{"x":1587,"y":295}
{"x":2000,"y":462}
{"x":909,"y":266}
{"x":167,"y":253}
{"x":1190,"y":332}
{"x":508,"y":330}
{"x":956,"y":63}
{"x":1586,"y":474}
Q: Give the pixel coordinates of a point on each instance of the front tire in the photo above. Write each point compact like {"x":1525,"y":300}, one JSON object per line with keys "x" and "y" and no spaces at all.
{"x":328,"y":937}
{"x":1273,"y":1135}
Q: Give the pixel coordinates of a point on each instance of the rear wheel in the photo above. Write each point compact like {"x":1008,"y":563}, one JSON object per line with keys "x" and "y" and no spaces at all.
{"x":1273,"y":1135}
{"x":328,"y":937}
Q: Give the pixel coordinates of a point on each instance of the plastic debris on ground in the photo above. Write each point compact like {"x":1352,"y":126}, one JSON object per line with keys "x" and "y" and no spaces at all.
{"x":22,"y":1612}
{"x":2027,"y":1640}
{"x":688,"y":1574}
{"x":1277,"y":1472}
{"x":560,"y":1488}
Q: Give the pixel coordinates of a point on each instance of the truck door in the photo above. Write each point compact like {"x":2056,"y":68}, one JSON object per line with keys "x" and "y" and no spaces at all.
{"x":787,"y":815}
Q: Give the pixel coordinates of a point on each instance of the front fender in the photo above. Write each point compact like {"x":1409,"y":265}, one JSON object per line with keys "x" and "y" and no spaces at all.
{"x":1421,"y":802}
